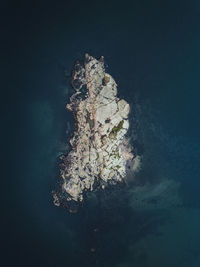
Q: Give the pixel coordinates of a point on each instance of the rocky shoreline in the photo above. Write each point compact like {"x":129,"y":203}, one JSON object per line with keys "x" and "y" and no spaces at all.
{"x":100,"y":151}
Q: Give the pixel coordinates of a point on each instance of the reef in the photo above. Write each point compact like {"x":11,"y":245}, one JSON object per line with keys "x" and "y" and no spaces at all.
{"x":100,"y":150}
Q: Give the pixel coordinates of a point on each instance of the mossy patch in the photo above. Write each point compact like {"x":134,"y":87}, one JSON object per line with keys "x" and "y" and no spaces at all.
{"x":118,"y":167}
{"x":116,"y":129}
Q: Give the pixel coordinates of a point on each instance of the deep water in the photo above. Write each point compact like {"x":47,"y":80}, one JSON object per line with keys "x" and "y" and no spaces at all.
{"x":151,"y":48}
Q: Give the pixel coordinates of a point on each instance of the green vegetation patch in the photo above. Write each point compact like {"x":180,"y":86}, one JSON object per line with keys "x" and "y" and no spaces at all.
{"x":116,"y":129}
{"x":118,"y":167}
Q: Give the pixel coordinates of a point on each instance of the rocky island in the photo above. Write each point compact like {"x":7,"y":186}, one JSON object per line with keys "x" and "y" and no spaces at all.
{"x":100,"y":151}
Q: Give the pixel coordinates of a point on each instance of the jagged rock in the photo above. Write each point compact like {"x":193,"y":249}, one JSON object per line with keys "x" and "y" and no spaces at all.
{"x":100,"y":150}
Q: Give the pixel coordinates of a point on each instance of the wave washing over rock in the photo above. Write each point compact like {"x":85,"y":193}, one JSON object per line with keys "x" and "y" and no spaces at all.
{"x":100,"y":152}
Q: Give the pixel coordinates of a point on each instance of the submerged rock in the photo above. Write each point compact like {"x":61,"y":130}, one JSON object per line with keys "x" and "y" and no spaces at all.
{"x":99,"y":150}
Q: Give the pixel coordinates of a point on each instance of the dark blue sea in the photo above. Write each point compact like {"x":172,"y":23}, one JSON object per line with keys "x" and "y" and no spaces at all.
{"x":152,"y":49}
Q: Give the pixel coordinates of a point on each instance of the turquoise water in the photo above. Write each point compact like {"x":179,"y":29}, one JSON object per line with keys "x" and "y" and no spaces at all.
{"x":152,"y":51}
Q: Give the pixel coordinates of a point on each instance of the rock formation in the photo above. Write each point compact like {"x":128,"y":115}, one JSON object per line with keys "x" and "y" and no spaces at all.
{"x":99,"y":150}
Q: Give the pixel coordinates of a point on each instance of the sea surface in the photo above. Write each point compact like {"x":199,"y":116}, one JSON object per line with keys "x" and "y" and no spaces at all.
{"x":151,"y":48}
